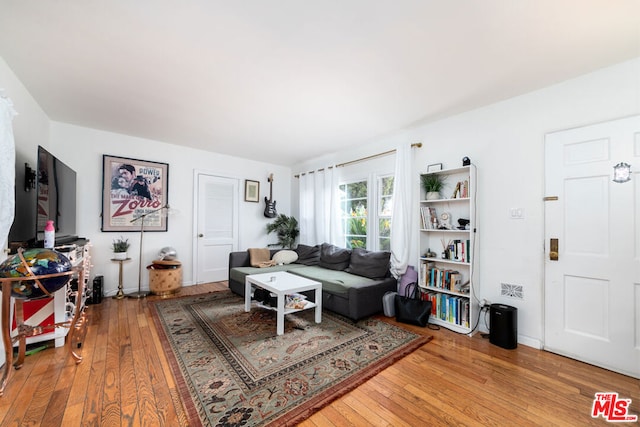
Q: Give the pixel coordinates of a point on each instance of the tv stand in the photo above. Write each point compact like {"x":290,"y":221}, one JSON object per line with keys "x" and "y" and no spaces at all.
{"x":65,"y":240}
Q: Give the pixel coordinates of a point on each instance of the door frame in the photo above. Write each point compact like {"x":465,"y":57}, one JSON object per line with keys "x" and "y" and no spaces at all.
{"x":194,"y":236}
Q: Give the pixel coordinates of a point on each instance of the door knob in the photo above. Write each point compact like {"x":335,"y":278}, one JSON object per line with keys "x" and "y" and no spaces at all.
{"x":200,"y":235}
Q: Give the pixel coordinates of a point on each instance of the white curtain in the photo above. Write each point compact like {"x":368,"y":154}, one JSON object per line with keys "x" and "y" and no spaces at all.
{"x":402,"y":229}
{"x":307,"y":208}
{"x":319,"y":207}
{"x":7,"y":168}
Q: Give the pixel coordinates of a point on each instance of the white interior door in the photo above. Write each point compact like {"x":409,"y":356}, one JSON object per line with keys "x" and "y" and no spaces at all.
{"x":592,"y":292}
{"x":216,"y":226}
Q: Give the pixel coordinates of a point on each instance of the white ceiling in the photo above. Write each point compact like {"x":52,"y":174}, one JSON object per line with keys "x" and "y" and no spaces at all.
{"x":287,"y":80}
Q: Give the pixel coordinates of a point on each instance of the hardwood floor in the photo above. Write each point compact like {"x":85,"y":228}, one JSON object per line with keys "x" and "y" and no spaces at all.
{"x":124,"y":379}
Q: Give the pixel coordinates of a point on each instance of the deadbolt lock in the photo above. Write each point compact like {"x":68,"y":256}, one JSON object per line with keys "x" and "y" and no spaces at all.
{"x":553,"y":249}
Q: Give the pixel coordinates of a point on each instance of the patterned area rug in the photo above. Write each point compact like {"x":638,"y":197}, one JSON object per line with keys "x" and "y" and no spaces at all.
{"x":233,"y":370}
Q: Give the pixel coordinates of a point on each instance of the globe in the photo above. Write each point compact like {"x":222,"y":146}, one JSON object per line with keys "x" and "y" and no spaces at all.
{"x":41,"y":261}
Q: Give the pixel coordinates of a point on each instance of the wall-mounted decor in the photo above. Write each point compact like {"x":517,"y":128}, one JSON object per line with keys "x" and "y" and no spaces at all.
{"x":132,"y":188}
{"x":251,"y":191}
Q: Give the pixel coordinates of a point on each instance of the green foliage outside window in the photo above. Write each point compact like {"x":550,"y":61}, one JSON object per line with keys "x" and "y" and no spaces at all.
{"x":357,"y":227}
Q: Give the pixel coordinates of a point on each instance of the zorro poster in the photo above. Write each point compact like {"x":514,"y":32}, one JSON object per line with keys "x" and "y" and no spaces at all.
{"x":131,"y":189}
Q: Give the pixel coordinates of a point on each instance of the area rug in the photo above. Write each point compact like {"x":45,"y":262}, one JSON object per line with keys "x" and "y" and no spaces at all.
{"x":233,"y":370}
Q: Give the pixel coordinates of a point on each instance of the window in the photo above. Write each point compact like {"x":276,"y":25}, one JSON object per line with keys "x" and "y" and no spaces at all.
{"x":353,"y":206}
{"x":366,"y":215}
{"x":385,"y":209}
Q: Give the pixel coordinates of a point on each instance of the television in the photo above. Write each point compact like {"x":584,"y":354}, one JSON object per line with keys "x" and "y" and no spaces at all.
{"x":54,"y":198}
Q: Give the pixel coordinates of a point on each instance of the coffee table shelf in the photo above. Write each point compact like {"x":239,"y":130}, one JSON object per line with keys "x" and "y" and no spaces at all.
{"x":283,"y":283}
{"x":309,"y":305}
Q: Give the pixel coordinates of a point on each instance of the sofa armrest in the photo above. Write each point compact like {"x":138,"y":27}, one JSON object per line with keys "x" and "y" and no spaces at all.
{"x":239,"y":259}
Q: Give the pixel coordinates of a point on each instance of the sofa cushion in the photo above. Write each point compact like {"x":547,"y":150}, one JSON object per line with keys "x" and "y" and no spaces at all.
{"x":308,"y":255}
{"x":333,"y":281}
{"x":285,"y":257}
{"x":373,"y":265}
{"x":333,"y":257}
{"x":239,"y":273}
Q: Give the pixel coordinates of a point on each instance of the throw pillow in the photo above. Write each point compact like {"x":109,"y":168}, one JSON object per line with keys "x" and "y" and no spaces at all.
{"x":308,"y":255}
{"x":373,"y":265}
{"x":284,"y":257}
{"x":333,"y":257}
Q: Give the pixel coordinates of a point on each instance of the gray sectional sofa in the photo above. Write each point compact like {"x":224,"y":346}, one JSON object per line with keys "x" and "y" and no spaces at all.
{"x":353,"y":281}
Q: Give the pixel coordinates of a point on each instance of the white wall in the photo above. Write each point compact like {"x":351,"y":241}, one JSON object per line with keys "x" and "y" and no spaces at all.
{"x":82,"y":149}
{"x":30,"y":128}
{"x":506,"y":142}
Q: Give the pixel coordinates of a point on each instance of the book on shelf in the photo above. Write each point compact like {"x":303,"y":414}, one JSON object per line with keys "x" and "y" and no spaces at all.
{"x":424,"y":217}
{"x":429,"y":218}
{"x":458,"y":250}
{"x":461,"y":190}
{"x":440,"y":278}
{"x":449,"y":308}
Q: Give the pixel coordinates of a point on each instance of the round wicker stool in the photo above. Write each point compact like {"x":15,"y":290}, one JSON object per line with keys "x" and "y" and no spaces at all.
{"x":165,"y":277}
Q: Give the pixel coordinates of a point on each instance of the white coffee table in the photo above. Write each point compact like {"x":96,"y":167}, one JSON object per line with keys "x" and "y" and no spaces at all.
{"x":282,"y":283}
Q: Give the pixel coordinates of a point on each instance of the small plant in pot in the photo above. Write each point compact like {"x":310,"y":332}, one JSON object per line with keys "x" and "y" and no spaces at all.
{"x":286,"y":227}
{"x":120,"y":247}
{"x":432,"y":185}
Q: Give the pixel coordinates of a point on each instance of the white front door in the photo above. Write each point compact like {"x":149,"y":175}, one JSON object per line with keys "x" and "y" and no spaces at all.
{"x":216,"y":226}
{"x":592,"y":291}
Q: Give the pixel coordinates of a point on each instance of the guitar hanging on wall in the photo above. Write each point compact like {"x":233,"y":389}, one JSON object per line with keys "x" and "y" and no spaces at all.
{"x":270,"y":208}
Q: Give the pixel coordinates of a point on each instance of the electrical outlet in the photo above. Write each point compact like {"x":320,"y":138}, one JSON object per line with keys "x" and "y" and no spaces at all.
{"x":513,"y":291}
{"x":484,"y":303}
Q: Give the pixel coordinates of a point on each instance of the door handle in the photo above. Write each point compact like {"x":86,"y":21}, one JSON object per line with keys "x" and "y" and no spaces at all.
{"x":553,"y":249}
{"x":200,"y":235}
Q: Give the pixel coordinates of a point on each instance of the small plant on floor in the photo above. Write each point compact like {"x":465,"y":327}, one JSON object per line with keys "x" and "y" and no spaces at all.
{"x":286,"y":228}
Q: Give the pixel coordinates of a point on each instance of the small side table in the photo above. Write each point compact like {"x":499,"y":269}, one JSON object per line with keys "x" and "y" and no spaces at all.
{"x":120,"y":294}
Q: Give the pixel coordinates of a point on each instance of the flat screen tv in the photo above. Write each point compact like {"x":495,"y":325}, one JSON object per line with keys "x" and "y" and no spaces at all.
{"x":54,"y":198}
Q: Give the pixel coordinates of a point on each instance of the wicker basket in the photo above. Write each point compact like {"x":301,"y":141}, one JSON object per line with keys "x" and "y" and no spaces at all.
{"x":165,"y":277}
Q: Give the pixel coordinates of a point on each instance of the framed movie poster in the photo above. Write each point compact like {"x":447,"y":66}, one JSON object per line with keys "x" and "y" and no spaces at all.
{"x":131,"y":191}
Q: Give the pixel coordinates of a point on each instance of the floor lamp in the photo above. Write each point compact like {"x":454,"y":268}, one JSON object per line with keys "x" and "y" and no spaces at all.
{"x":141,"y":293}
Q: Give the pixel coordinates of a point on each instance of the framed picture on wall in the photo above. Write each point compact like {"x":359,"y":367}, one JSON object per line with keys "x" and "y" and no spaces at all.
{"x":251,"y":191}
{"x":434,"y":167}
{"x":132,"y":188}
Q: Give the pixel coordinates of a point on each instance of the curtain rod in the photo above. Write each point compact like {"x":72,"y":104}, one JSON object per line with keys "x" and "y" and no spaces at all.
{"x":362,"y":159}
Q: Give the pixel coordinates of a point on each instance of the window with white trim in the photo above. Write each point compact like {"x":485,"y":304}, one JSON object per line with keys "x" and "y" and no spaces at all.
{"x":366,"y":208}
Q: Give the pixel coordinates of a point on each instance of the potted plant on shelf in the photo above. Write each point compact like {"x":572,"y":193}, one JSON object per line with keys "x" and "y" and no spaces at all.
{"x":432,"y":184}
{"x":120,"y":247}
{"x":286,"y":227}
